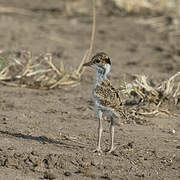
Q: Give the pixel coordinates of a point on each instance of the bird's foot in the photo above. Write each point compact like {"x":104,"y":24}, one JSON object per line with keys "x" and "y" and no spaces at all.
{"x":98,"y":150}
{"x":111,"y":150}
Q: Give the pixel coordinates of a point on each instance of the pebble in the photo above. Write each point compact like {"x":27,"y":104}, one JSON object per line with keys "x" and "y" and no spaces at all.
{"x":49,"y":175}
{"x":67,"y":173}
{"x":172,"y":131}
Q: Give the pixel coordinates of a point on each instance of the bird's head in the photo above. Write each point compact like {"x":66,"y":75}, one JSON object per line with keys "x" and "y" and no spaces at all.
{"x":100,"y":62}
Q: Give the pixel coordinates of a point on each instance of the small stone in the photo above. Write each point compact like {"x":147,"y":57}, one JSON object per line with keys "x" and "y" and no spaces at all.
{"x":10,"y":148}
{"x":67,"y":173}
{"x":34,"y":153}
{"x":178,"y":147}
{"x":130,"y":144}
{"x":49,"y":175}
{"x":105,"y":176}
{"x":172,"y":131}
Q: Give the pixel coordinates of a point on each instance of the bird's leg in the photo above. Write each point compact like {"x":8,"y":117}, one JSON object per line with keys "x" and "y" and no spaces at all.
{"x":111,"y":136}
{"x":100,"y":129}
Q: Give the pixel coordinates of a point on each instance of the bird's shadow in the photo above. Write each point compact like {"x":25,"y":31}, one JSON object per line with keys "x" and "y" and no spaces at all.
{"x":43,"y":139}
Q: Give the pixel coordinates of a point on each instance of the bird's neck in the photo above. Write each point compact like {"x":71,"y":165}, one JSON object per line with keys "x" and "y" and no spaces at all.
{"x":101,"y":74}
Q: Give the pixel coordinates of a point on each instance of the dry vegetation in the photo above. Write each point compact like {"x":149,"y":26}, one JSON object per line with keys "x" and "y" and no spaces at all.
{"x":38,"y":72}
{"x":149,"y":100}
{"x":128,"y":6}
{"x":138,"y":6}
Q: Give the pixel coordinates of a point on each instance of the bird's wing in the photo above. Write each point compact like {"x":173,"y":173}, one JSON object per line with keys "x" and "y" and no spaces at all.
{"x":107,"y":95}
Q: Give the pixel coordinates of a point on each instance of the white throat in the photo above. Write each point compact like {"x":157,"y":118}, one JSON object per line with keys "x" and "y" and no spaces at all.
{"x":101,"y":73}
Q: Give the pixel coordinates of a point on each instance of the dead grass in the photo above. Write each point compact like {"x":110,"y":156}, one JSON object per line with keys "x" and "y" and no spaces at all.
{"x":153,"y":100}
{"x":139,"y":6}
{"x":38,"y":72}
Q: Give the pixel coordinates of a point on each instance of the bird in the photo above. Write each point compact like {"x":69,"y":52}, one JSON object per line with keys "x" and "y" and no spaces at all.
{"x":107,"y":99}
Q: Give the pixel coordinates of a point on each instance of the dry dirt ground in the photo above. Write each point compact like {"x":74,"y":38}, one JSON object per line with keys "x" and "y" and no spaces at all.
{"x":51,"y":134}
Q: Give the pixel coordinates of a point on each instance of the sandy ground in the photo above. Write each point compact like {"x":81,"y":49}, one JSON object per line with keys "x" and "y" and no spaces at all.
{"x":51,"y":134}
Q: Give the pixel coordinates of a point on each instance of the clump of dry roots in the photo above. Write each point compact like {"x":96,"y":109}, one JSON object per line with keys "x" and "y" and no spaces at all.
{"x":38,"y":72}
{"x":147,"y":100}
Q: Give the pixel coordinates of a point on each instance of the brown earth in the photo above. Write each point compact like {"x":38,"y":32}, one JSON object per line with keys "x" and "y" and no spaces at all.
{"x":51,"y":134}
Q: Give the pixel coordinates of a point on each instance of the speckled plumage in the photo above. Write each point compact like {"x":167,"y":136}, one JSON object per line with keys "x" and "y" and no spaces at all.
{"x":108,"y":98}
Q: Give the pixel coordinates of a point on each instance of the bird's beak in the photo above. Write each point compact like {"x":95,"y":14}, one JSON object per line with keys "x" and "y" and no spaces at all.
{"x":88,"y":63}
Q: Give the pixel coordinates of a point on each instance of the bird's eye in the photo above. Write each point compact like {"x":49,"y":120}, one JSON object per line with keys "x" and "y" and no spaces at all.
{"x":97,"y":61}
